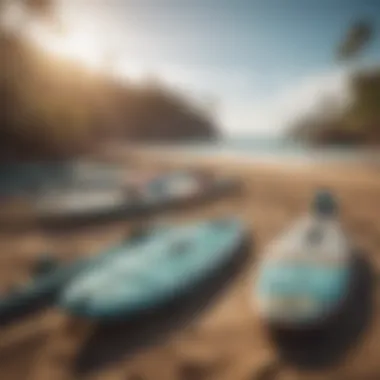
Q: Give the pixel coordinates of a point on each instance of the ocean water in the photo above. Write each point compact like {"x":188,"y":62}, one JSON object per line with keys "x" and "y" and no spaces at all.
{"x":268,"y":149}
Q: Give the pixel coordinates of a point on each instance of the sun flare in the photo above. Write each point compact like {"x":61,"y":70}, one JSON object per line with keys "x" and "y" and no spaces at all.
{"x":77,"y":46}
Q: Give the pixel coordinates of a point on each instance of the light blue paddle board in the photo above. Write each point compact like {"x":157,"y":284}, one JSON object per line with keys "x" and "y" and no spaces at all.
{"x":168,"y":262}
{"x":49,"y":277}
{"x":304,"y":277}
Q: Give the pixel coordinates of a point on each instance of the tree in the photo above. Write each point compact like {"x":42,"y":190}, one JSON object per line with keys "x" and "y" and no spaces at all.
{"x":358,"y":121}
{"x":357,"y":37}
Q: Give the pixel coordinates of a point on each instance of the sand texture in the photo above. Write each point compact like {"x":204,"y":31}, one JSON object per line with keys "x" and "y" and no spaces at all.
{"x":220,"y":338}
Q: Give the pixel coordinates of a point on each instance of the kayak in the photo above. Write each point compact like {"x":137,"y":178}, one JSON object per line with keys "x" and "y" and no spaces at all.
{"x":305,"y":276}
{"x":162,"y":266}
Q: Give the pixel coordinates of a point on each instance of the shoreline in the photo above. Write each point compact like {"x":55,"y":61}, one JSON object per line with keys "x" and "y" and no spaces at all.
{"x":172,"y":153}
{"x":365,"y":174}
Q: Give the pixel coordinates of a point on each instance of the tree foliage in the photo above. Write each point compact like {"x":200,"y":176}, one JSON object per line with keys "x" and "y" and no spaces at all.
{"x":357,"y":37}
{"x":356,"y":123}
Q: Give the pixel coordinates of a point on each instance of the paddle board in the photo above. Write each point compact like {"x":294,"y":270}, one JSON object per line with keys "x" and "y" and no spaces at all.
{"x":49,"y":277}
{"x":164,"y":265}
{"x":304,"y":276}
{"x":34,"y":178}
{"x":182,"y":186}
{"x":167,"y":190}
{"x":74,"y":202}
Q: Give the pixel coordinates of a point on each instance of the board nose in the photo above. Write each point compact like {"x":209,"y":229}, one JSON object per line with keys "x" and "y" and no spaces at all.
{"x":324,"y":203}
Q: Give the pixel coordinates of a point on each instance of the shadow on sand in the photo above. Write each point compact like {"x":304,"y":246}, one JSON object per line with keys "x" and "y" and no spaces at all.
{"x":12,"y":314}
{"x":324,"y":347}
{"x":111,"y":343}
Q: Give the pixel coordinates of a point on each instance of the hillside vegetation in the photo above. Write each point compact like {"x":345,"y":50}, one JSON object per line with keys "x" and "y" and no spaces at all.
{"x":358,"y":122}
{"x":52,"y":107}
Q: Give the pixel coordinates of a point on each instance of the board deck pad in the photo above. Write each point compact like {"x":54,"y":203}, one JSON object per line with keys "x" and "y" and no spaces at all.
{"x":165,"y":263}
{"x":305,"y":274}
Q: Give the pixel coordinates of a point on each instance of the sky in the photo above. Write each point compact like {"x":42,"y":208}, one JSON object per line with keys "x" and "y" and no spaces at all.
{"x":261,"y":63}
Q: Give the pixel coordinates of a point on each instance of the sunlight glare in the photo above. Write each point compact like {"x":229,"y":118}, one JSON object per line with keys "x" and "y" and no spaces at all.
{"x":131,"y":70}
{"x":77,"y":46}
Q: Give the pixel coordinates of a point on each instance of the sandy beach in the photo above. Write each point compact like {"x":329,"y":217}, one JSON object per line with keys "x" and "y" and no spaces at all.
{"x":224,"y":340}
